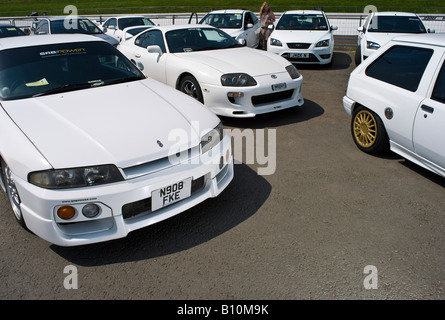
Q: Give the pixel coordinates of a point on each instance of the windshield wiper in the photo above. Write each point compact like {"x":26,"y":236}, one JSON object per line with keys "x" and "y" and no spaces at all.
{"x":64,"y":88}
{"x":122,"y":80}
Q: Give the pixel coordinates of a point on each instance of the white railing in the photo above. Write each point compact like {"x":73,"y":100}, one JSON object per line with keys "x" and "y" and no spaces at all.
{"x":347,"y":23}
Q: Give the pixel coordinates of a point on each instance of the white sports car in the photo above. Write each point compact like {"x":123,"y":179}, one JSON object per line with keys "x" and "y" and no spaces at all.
{"x":206,"y":63}
{"x":396,"y":99}
{"x":242,"y":25}
{"x":91,"y":149}
{"x":303,"y":36}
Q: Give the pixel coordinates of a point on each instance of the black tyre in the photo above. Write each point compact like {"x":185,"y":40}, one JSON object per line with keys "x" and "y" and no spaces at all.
{"x":13,"y":194}
{"x":358,"y":56}
{"x":190,"y":86}
{"x":368,"y":131}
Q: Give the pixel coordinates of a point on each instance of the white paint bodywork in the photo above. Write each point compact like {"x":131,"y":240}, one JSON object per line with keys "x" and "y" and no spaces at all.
{"x":414,"y":133}
{"x":380,"y":38}
{"x":311,"y":37}
{"x":122,"y":125}
{"x":207,"y":67}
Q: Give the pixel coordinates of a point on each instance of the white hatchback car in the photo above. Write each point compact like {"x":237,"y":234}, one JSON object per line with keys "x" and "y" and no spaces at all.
{"x":396,"y":99}
{"x":206,"y":63}
{"x":92,"y":150}
{"x":243,"y":25}
{"x":303,"y":36}
{"x":380,"y":27}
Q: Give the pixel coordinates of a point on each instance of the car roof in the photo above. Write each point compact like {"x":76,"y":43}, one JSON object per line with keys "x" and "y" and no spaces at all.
{"x":57,"y":18}
{"x":182,"y":26}
{"x":229,"y":11}
{"x":18,"y":42}
{"x":394,"y":13}
{"x":303,"y":12}
{"x":434,"y":39}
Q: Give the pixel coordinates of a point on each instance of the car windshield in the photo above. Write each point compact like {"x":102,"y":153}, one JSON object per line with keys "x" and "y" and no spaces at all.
{"x":302,"y":22}
{"x":84,"y":26}
{"x":48,"y":69}
{"x":134,"y":21}
{"x":10,"y":31}
{"x":396,"y":24}
{"x":223,"y":20}
{"x":194,"y":39}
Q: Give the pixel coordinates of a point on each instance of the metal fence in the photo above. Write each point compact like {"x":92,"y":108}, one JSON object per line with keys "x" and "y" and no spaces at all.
{"x":347,"y":23}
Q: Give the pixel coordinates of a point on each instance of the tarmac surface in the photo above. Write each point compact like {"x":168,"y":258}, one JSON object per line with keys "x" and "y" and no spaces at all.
{"x":330,"y":222}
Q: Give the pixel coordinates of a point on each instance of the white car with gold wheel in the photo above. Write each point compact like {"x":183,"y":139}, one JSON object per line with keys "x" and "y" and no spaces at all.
{"x":91,"y":149}
{"x":206,"y":63}
{"x":396,"y":99}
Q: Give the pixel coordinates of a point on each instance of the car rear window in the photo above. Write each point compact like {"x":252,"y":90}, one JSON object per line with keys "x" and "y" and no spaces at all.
{"x":402,"y":66}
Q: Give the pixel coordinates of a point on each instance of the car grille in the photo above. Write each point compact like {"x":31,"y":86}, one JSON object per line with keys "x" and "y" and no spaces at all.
{"x":133,"y":209}
{"x":272,"y":97}
{"x":298,"y":45}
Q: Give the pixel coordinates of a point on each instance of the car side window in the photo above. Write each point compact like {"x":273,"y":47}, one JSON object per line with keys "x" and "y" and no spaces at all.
{"x":402,"y":66}
{"x":439,"y":87}
{"x":151,"y":38}
{"x":110,"y":22}
{"x":42,"y":27}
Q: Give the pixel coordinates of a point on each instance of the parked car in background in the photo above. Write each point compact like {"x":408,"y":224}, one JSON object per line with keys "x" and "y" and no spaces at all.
{"x":70,"y":25}
{"x":243,"y":25}
{"x":90,"y":149}
{"x":9,"y":30}
{"x":380,"y":27}
{"x":303,"y":36}
{"x":115,"y":26}
{"x":206,"y":63}
{"x":396,"y":99}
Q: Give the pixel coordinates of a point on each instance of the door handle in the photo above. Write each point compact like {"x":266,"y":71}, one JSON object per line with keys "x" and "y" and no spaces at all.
{"x":427,"y":109}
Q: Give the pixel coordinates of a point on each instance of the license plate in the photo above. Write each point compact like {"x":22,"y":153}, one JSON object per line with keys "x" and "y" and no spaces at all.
{"x":168,"y":195}
{"x":299,"y":55}
{"x":278,"y":86}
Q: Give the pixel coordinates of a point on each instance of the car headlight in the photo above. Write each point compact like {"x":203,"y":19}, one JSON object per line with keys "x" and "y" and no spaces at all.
{"x":75,"y":177}
{"x":212,"y":138}
{"x":323,"y":43}
{"x":293,"y":72}
{"x":372,"y":45}
{"x":275,"y":42}
{"x":237,"y":80}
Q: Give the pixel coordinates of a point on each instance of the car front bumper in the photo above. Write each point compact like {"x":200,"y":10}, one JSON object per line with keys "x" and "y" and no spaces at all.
{"x":269,"y":95}
{"x":313,"y":55}
{"x":124,"y":206}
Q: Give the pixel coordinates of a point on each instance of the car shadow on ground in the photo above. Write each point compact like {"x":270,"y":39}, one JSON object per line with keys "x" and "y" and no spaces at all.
{"x":307,"y":111}
{"x":198,"y":225}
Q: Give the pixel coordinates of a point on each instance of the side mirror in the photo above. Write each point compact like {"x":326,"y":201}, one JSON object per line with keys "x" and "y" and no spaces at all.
{"x":112,"y":27}
{"x":242,"y":42}
{"x":333,"y":28}
{"x":249,"y":25}
{"x":360,"y":29}
{"x":155,"y":49}
{"x":431,"y":30}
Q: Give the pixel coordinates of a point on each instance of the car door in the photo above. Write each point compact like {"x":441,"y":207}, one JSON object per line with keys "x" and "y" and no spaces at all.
{"x":429,"y":128}
{"x":252,"y":33}
{"x":395,"y":89}
{"x":152,"y":64}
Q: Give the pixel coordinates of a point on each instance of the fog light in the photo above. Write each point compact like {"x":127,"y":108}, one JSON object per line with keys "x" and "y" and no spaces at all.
{"x":90,"y":210}
{"x":66,"y":212}
{"x":235,"y":94}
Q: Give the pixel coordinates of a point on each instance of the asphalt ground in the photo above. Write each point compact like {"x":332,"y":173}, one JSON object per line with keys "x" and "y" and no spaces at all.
{"x":330,"y":222}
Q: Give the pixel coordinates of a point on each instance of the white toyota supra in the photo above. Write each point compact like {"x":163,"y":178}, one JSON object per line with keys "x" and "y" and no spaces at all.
{"x":91,"y":149}
{"x":209,"y":65}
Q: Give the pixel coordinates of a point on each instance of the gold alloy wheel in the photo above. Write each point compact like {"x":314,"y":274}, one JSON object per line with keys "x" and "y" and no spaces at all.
{"x":365,"y":129}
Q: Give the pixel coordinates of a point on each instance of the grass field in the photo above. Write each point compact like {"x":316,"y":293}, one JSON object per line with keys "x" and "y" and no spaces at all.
{"x":55,"y":7}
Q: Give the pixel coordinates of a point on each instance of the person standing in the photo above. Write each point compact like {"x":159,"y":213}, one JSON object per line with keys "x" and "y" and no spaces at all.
{"x":267,"y":18}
